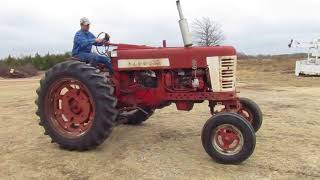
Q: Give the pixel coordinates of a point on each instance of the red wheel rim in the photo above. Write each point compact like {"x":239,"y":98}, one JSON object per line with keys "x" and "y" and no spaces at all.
{"x":70,"y":108}
{"x":247,"y":114}
{"x":227,"y":139}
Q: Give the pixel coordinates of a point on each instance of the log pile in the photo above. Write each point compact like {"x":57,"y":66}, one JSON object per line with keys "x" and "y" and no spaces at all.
{"x":16,"y":74}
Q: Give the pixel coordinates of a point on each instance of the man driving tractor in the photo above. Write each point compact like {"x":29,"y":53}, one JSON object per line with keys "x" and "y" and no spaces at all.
{"x":82,"y":45}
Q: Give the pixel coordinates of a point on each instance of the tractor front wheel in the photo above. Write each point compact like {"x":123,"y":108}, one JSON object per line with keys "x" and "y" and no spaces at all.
{"x":76,"y":106}
{"x":228,"y":138}
{"x":251,"y":112}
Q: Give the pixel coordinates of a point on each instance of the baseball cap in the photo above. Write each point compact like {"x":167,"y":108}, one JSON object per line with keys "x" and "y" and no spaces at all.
{"x":85,"y":21}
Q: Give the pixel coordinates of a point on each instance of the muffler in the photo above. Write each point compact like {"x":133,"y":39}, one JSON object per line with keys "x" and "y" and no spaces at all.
{"x":184,"y":27}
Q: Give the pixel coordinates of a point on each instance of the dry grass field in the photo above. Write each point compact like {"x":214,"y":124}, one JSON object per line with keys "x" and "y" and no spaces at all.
{"x":168,"y":145}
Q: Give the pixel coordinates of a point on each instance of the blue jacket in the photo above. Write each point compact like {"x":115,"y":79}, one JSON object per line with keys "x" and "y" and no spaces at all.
{"x":83,"y":42}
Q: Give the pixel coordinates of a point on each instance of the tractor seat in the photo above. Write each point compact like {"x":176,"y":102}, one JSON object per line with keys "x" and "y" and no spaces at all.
{"x":76,"y":59}
{"x":73,"y":59}
{"x":99,"y":66}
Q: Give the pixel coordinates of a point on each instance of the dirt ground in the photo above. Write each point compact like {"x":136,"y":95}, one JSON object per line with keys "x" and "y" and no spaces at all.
{"x":168,"y":145}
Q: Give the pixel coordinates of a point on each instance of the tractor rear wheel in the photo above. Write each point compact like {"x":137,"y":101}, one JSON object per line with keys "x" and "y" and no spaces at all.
{"x":228,"y":138}
{"x":76,"y":106}
{"x":251,"y":112}
{"x":138,"y":116}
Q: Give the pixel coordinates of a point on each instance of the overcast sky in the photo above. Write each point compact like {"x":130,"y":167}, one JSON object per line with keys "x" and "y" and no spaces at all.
{"x":252,"y":26}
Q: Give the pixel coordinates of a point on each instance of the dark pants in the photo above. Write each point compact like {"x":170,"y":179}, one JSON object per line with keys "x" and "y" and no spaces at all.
{"x":95,"y":59}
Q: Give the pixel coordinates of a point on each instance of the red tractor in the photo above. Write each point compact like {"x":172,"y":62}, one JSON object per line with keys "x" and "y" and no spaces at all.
{"x":79,"y":104}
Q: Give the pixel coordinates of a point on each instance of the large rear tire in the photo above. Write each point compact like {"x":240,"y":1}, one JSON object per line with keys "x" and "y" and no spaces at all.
{"x":76,"y":106}
{"x":228,"y":138}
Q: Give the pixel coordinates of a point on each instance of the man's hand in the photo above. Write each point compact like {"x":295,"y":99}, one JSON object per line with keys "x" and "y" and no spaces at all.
{"x":99,"y":40}
{"x":107,"y":37}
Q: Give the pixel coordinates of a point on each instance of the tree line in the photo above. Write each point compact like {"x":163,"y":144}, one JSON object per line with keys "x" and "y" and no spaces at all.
{"x":37,"y":61}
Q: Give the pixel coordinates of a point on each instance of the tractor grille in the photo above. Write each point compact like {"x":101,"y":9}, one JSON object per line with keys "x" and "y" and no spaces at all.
{"x":227,"y":73}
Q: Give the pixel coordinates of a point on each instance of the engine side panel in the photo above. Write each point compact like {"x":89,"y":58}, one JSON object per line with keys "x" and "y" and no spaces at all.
{"x":155,"y":77}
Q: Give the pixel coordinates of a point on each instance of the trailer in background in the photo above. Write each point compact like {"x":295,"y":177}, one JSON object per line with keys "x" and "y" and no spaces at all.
{"x":311,"y":65}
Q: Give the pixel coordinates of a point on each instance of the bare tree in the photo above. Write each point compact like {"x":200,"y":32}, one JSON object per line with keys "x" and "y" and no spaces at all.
{"x":207,"y":32}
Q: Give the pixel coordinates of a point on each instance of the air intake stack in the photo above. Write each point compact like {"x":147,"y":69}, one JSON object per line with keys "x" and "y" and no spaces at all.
{"x":186,"y":35}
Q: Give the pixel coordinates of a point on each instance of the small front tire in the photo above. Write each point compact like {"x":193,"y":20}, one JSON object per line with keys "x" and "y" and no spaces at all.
{"x":251,"y":112}
{"x":228,"y":138}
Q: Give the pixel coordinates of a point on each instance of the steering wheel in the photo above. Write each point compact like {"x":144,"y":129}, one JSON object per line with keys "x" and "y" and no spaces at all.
{"x":106,"y":46}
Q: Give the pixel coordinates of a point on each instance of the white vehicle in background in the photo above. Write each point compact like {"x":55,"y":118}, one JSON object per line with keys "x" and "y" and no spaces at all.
{"x":311,"y":65}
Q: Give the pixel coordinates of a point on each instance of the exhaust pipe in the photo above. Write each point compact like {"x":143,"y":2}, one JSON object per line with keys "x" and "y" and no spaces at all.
{"x":184,"y":27}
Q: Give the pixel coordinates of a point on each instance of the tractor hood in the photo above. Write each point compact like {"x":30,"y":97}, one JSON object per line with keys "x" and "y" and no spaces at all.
{"x":144,"y":57}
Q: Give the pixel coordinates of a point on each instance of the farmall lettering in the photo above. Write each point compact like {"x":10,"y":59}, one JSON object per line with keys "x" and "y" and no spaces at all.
{"x":140,"y":63}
